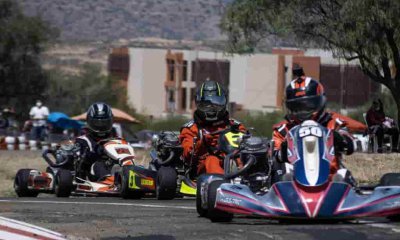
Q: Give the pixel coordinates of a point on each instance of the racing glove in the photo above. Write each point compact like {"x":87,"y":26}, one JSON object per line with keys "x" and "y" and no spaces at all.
{"x":343,"y":142}
{"x":281,"y":154}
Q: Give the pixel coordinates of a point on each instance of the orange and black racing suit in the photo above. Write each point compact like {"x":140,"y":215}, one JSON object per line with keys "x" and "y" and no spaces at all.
{"x":201,"y":156}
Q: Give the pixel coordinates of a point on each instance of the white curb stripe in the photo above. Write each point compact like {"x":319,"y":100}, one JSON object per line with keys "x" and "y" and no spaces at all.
{"x":27,"y":228}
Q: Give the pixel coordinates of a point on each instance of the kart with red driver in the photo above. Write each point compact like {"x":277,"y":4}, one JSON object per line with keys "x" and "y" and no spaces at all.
{"x":307,"y":193}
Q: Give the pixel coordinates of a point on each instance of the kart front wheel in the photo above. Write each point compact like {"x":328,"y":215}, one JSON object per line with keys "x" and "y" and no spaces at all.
{"x":21,"y":184}
{"x":63,"y":183}
{"x":200,"y":210}
{"x":213,"y":214}
{"x":166,"y":183}
{"x":391,"y":179}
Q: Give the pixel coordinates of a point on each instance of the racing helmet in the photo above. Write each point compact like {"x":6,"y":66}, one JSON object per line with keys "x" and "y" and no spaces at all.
{"x":305,"y":99}
{"x":210,"y":102}
{"x":297,"y":71}
{"x":99,"y":119}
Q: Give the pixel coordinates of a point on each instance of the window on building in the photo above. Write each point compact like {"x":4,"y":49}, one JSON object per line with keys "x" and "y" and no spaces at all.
{"x":184,"y":71}
{"x":192,"y":97}
{"x":171,"y":69}
{"x":184,"y":97}
{"x":171,"y":101}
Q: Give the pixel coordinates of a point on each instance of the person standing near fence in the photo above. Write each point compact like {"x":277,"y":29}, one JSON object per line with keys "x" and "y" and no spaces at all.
{"x":38,"y":115}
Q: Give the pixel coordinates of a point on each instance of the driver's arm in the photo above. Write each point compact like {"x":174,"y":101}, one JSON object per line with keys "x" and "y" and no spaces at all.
{"x":186,"y":138}
{"x":343,"y":142}
{"x":280,"y":146}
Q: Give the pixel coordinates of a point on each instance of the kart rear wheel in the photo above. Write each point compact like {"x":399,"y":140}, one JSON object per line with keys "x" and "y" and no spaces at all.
{"x":21,"y":184}
{"x":390,"y":179}
{"x":63,"y":183}
{"x":126,"y":192}
{"x":213,"y":214}
{"x":200,"y":210}
{"x":166,"y":183}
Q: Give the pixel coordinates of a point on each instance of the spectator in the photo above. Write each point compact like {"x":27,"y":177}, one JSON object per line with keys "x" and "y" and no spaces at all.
{"x":379,"y":125}
{"x":38,"y":116}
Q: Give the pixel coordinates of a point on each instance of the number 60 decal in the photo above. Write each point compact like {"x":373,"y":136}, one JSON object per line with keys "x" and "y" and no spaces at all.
{"x":306,"y":131}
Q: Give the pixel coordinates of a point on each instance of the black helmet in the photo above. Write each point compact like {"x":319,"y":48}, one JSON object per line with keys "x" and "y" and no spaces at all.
{"x":99,"y":119}
{"x":305,"y":99}
{"x":297,"y":71}
{"x":210,"y":102}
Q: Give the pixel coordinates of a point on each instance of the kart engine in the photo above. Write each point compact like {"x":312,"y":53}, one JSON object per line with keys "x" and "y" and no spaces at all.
{"x":258,"y":174}
{"x":167,"y":143}
{"x":67,"y":152}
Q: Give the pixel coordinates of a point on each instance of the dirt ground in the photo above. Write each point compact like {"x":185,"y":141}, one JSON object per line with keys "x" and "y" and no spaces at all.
{"x":367,"y":168}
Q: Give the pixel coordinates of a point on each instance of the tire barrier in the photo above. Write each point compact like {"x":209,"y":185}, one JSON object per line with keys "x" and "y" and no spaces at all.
{"x":12,"y":143}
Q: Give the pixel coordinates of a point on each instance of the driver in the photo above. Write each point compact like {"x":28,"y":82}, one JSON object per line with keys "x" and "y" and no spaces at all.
{"x":210,"y":116}
{"x":99,"y":119}
{"x":306,"y":100}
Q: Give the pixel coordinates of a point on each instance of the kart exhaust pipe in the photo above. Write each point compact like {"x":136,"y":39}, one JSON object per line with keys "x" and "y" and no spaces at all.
{"x":168,"y":160}
{"x":50,"y":162}
{"x":249,"y":163}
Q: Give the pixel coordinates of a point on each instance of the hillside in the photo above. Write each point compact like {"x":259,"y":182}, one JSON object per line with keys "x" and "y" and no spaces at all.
{"x":94,"y":20}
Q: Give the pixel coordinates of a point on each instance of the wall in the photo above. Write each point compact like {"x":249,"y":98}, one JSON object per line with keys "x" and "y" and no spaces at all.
{"x":261,"y":83}
{"x":146,"y":80}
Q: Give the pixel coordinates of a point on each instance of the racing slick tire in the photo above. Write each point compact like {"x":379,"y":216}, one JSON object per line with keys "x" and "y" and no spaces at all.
{"x":166,"y":183}
{"x":200,"y":210}
{"x":391,"y":179}
{"x":63,"y":183}
{"x":213,"y":214}
{"x":126,"y":193}
{"x":21,"y":184}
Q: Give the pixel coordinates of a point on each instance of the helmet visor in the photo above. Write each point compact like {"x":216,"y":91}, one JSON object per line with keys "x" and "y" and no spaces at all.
{"x":211,"y":103}
{"x":100,"y":125}
{"x":305,"y":106}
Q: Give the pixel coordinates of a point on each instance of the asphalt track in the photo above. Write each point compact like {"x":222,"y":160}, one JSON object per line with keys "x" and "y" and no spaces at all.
{"x":114,"y":218}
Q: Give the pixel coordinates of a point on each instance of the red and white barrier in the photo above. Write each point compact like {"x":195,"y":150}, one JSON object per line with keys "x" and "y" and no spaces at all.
{"x":11,"y":229}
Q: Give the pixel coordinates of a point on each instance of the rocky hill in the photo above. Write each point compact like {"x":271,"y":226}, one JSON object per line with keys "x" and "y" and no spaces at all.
{"x":110,"y":20}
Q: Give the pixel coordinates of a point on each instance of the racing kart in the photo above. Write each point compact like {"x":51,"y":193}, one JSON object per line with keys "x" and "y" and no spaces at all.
{"x":113,"y":175}
{"x":173,"y":178}
{"x":307,"y":193}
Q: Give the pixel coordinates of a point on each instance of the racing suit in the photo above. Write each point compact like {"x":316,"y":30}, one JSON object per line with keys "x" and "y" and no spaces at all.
{"x":202,"y":155}
{"x":343,"y":142}
{"x":91,"y":153}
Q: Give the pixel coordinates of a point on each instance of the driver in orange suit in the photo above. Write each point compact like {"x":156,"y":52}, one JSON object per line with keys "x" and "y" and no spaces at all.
{"x":198,"y":142}
{"x":305,"y":100}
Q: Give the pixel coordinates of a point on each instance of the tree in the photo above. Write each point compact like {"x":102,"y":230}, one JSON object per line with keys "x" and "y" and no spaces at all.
{"x":22,"y":39}
{"x":367,"y":31}
{"x":73,"y":94}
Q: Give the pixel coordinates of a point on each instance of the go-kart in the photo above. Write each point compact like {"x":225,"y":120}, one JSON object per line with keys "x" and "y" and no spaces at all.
{"x":172,"y":179}
{"x":308,"y":193}
{"x":246,"y":163}
{"x":119,"y":175}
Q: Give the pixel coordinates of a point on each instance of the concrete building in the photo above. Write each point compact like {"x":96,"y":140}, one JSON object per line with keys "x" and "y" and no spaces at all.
{"x":164,"y":81}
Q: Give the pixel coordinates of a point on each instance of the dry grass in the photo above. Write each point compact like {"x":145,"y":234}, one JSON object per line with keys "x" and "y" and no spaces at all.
{"x":366,"y":168}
